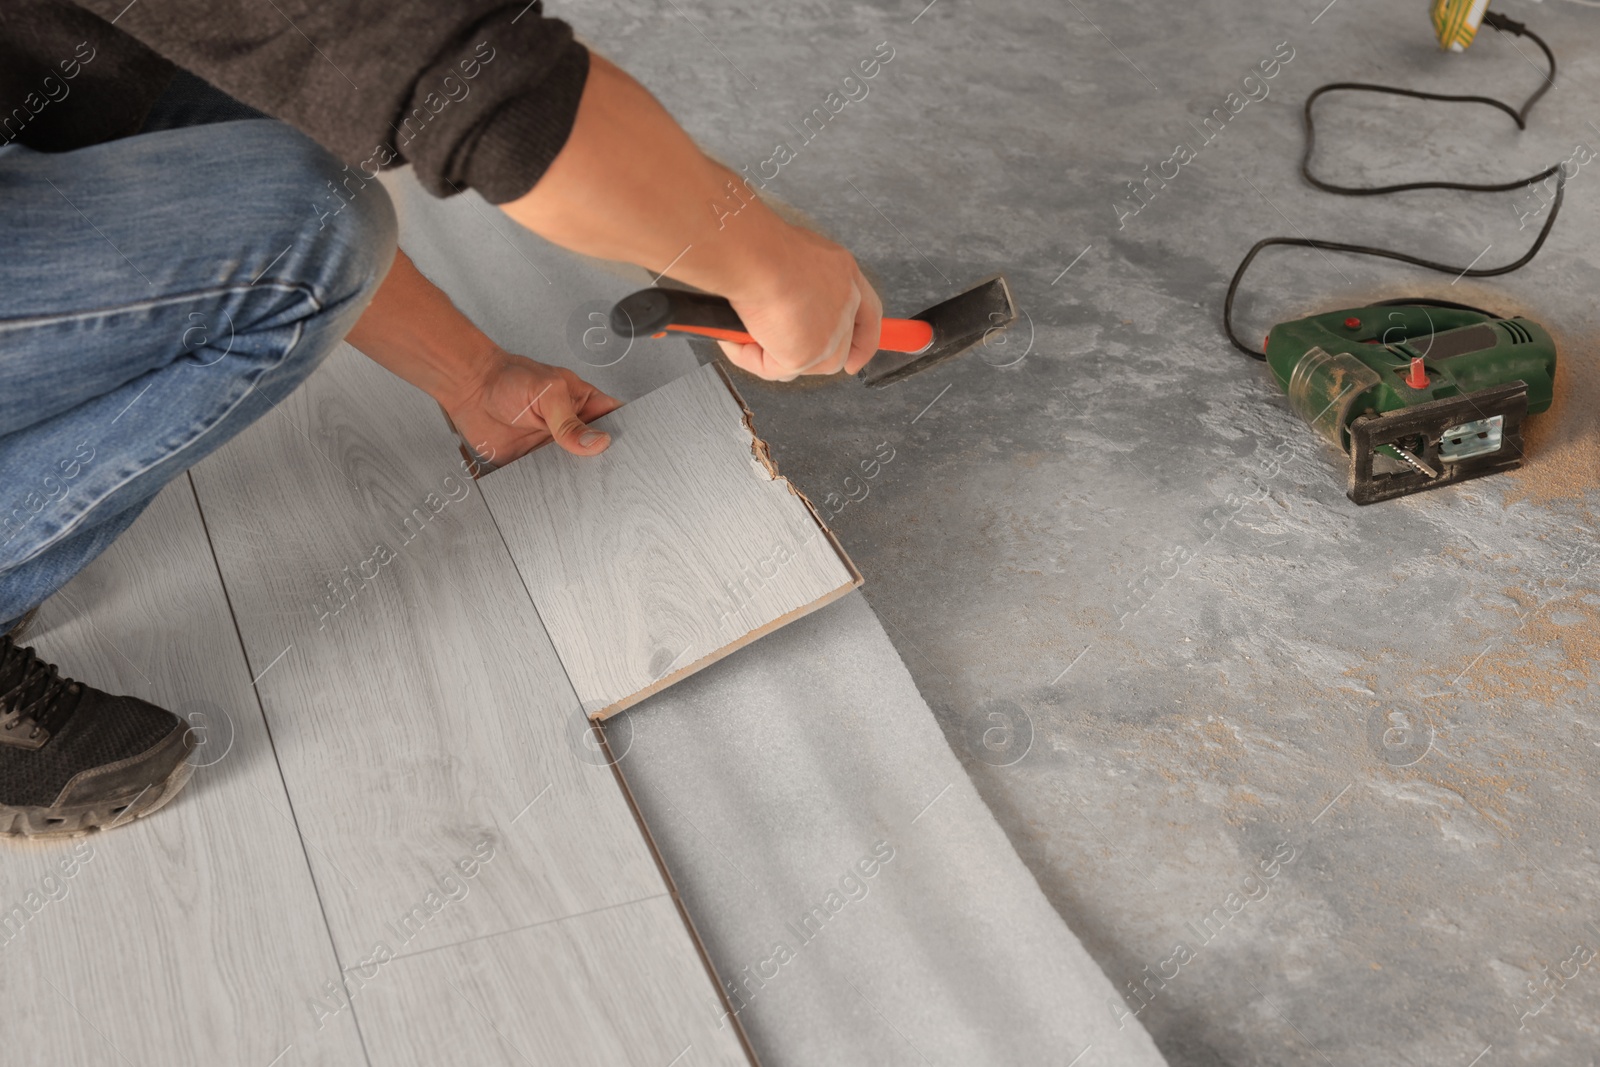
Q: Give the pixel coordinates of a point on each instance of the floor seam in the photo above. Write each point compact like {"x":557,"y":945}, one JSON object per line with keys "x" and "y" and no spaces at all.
{"x":530,"y":926}
{"x":283,"y":781}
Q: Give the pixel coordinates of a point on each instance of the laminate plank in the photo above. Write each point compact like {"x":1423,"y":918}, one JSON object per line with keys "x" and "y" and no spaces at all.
{"x":419,"y":710}
{"x":565,"y":993}
{"x":189,"y":937}
{"x":677,"y":545}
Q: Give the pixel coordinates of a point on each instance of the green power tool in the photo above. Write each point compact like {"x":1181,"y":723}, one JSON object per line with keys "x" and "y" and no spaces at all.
{"x":1419,"y":394}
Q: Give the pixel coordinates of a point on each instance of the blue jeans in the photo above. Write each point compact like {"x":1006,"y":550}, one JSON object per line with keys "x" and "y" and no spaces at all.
{"x":158,"y":294}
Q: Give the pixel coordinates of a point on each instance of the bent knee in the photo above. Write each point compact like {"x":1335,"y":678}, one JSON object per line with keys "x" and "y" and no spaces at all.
{"x":336,"y":223}
{"x":356,"y":231}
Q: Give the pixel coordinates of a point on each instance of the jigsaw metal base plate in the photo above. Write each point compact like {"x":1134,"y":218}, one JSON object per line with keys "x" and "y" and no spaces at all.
{"x":1437,"y":444}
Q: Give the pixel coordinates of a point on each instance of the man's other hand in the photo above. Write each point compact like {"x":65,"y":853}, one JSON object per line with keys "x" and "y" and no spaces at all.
{"x":630,"y":185}
{"x":811,"y":312}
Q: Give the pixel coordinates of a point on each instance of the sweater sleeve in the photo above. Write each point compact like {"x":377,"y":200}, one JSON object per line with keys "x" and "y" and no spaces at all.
{"x":473,"y":93}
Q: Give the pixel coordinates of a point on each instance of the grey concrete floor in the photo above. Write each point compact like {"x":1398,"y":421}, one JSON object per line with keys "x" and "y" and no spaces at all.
{"x":1126,"y":578}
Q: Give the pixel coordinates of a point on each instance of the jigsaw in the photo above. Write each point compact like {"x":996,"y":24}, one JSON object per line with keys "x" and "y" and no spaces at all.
{"x":1418,"y":394}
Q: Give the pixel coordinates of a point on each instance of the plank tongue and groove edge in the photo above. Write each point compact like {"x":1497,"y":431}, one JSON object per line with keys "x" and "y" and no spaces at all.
{"x":673,"y":548}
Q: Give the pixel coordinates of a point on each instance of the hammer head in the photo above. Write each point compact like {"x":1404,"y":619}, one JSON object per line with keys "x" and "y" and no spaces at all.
{"x":965,"y":320}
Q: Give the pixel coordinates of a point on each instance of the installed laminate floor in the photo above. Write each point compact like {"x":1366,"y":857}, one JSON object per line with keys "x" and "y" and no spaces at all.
{"x":191,"y":937}
{"x":407,"y":795}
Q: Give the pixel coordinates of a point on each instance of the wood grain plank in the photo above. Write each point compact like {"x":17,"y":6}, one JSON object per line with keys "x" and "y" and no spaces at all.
{"x":192,"y":936}
{"x":674,"y":547}
{"x":566,"y":992}
{"x":418,"y":708}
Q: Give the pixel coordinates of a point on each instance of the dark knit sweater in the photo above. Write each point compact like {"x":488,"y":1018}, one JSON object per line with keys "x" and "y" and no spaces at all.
{"x":473,"y":93}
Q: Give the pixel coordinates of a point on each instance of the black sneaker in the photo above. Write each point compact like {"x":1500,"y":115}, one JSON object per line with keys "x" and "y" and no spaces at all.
{"x":74,"y":759}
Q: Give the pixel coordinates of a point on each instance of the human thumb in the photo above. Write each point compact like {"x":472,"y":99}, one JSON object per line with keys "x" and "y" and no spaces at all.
{"x":566,"y":428}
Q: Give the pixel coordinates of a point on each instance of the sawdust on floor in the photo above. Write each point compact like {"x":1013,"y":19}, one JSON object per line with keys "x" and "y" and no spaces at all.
{"x":1517,"y":670}
{"x":1562,"y":445}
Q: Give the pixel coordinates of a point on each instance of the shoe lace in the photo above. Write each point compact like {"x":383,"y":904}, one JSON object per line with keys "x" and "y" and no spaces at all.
{"x":33,"y":694}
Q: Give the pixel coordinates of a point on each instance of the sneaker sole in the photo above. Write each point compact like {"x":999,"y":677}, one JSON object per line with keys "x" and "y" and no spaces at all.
{"x":78,"y":820}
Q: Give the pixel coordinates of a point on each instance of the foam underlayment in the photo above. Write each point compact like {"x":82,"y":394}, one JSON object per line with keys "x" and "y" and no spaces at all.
{"x":852,"y":890}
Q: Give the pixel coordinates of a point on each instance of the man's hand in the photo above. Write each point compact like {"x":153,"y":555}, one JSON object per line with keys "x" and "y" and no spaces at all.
{"x":520,"y":405}
{"x":503,"y":405}
{"x":630,"y":185}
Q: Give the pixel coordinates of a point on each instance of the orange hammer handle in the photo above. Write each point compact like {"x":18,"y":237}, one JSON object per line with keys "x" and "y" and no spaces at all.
{"x":653,"y":311}
{"x":897,"y":335}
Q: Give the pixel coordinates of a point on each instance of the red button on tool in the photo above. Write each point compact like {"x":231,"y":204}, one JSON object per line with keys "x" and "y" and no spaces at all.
{"x":1352,"y":323}
{"x":1418,"y":378}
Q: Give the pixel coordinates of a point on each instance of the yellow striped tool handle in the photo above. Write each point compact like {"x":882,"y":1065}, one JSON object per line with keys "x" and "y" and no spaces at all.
{"x":1456,"y":22}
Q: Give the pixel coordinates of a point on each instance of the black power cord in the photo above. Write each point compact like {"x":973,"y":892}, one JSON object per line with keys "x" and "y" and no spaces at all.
{"x":1518,"y":115}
